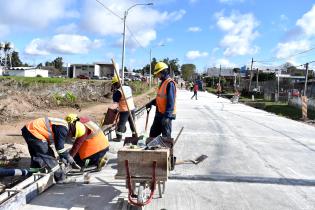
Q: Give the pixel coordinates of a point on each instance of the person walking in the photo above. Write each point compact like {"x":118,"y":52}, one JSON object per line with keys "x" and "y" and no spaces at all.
{"x":195,"y":91}
{"x":165,"y":102}
{"x":121,"y":102}
{"x":90,"y":145}
{"x":40,"y":134}
{"x":219,"y":89}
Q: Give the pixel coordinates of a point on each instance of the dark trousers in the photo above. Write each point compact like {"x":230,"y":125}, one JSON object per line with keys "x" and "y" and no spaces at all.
{"x":158,"y":127}
{"x":123,"y":118}
{"x":94,"y":159}
{"x":195,"y":94}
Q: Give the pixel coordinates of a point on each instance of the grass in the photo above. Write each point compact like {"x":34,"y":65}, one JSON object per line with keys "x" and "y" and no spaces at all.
{"x":32,"y":80}
{"x":138,"y":87}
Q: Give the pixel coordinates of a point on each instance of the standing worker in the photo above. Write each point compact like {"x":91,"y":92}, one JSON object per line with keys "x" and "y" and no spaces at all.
{"x":90,"y":144}
{"x":39,"y":134}
{"x":121,"y":103}
{"x":165,"y":102}
{"x":191,"y":86}
{"x":195,"y":91}
{"x":219,"y":89}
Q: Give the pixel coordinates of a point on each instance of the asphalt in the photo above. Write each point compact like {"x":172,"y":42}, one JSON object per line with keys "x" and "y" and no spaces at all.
{"x":256,"y":160}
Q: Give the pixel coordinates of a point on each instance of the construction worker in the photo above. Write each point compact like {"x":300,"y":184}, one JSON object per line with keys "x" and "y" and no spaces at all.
{"x":195,"y":91}
{"x":90,"y":145}
{"x":219,"y":89}
{"x":121,"y":102}
{"x":165,"y":102}
{"x":39,"y":135}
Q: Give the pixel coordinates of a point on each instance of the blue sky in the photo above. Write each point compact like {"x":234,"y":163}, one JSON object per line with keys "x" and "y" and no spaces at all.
{"x":204,"y":32}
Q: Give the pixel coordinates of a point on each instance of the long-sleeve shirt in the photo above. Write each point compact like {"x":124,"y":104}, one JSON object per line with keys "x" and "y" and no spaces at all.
{"x":79,"y":141}
{"x":170,"y":101}
{"x":60,"y":134}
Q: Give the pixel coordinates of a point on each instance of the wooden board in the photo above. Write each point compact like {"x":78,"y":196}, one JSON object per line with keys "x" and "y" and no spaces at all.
{"x":141,"y":163}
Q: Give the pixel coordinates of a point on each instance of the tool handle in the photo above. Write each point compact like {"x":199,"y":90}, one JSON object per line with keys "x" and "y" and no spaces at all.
{"x":180,"y":132}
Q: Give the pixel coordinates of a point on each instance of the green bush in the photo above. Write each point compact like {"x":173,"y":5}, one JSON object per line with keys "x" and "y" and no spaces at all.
{"x":68,"y":98}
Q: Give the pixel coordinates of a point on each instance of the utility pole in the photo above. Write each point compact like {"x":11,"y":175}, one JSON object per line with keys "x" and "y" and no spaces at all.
{"x":251,"y":75}
{"x":150,"y":68}
{"x":220,"y":76}
{"x":257,"y":74}
{"x":306,"y":77}
{"x":123,"y":50}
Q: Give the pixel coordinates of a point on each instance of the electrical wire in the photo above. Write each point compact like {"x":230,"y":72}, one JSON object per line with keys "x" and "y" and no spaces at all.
{"x":108,"y":9}
{"x":134,"y":37}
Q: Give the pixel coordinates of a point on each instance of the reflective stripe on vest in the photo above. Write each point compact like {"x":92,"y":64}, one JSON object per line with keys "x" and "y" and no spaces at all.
{"x":96,"y":141}
{"x":49,"y":121}
{"x":161,"y":97}
{"x":129,"y":99}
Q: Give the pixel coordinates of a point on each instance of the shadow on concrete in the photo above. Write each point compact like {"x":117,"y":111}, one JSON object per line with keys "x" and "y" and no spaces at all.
{"x":247,"y":179}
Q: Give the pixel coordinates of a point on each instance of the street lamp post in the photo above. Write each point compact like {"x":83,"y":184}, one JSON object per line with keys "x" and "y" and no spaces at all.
{"x":124,"y":39}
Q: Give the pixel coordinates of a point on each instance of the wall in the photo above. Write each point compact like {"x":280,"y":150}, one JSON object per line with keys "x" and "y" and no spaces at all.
{"x":296,"y":102}
{"x":29,"y":73}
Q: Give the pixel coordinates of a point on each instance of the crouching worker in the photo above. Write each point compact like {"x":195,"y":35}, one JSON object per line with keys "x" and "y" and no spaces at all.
{"x":39,"y":135}
{"x":90,"y":145}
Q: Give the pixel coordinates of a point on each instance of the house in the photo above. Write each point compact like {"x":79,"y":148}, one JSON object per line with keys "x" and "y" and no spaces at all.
{"x":89,"y":70}
{"x":27,"y":72}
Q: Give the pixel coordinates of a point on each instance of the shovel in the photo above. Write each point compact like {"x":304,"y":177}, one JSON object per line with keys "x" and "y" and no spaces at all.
{"x":196,"y":161}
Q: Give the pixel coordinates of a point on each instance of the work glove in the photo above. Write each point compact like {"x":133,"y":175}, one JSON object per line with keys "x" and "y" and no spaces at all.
{"x":165,"y":121}
{"x":66,"y":158}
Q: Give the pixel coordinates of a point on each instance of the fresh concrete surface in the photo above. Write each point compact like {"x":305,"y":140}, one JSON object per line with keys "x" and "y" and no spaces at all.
{"x":257,"y":160}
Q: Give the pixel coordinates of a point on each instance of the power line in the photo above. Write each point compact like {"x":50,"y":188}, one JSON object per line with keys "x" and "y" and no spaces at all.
{"x":108,"y":9}
{"x":134,"y":37}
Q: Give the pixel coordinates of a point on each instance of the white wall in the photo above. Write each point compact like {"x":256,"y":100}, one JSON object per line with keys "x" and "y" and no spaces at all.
{"x":97,"y":70}
{"x":29,"y":73}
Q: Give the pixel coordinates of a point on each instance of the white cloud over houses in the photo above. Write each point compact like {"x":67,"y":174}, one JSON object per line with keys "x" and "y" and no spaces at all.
{"x":63,"y":44}
{"x":34,"y":13}
{"x":240,"y":33}
{"x":140,"y":19}
{"x":224,"y":62}
{"x":194,"y":54}
{"x":302,"y":41}
{"x":194,"y":29}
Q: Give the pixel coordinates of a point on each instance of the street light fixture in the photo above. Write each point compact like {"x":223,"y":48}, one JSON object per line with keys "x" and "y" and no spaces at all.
{"x":161,"y":45}
{"x":124,"y":38}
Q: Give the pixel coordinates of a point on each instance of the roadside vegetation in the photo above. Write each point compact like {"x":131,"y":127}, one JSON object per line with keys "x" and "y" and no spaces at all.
{"x":28,"y":81}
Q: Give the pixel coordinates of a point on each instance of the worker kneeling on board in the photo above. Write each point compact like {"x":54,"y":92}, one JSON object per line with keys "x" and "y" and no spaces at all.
{"x":90,"y":145}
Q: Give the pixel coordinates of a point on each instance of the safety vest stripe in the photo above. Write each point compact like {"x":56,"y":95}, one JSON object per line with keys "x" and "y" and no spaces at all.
{"x":94,"y":128}
{"x":61,"y":150}
{"x":50,"y":136}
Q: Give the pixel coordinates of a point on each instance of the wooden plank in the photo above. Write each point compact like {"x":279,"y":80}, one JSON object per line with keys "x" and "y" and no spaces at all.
{"x":141,"y":162}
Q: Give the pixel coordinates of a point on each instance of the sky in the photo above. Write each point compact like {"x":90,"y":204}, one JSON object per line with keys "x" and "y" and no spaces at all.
{"x":206,"y":33}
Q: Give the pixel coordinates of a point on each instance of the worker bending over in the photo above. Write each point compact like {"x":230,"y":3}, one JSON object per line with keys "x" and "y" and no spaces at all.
{"x":90,"y":145}
{"x":165,"y":102}
{"x":39,"y":135}
{"x":121,"y":103}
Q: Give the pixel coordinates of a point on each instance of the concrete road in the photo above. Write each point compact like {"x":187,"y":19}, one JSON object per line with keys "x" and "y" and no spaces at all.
{"x":257,"y":160}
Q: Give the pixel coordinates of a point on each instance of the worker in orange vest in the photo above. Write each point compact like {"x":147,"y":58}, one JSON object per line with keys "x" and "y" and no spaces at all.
{"x":121,"y":103}
{"x":39,"y":135}
{"x":165,"y":102}
{"x":90,"y":145}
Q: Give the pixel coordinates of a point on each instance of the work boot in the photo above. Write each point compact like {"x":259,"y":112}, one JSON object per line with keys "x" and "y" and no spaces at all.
{"x":117,"y":139}
{"x":102,"y":162}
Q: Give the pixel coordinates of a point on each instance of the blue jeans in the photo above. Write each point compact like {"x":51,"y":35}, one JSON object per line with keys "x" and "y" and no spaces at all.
{"x":93,"y":158}
{"x":159,"y":126}
{"x":123,"y":118}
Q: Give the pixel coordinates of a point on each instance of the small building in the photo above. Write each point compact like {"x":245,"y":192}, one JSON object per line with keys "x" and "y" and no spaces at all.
{"x":89,"y":70}
{"x":27,"y":72}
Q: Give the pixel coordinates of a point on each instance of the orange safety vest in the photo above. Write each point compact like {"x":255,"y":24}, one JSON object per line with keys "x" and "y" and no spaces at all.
{"x":41,"y":128}
{"x":95,"y":141}
{"x":129,"y":100}
{"x":161,"y":97}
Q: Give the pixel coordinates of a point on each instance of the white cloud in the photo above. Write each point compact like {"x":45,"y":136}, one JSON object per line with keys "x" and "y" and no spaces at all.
{"x":67,"y":29}
{"x":34,"y":13}
{"x":307,"y":22}
{"x":224,"y":63}
{"x":194,"y":54}
{"x":240,"y":33}
{"x":287,"y":49}
{"x":140,"y":19}
{"x":4,"y":30}
{"x":62,"y":43}
{"x":194,"y":29}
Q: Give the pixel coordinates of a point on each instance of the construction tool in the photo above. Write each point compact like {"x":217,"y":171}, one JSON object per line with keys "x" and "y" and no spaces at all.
{"x":194,"y":161}
{"x":180,"y":132}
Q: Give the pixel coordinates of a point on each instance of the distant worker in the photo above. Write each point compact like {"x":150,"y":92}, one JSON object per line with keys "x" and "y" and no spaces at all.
{"x":90,"y":145}
{"x":191,"y":86}
{"x":195,"y":91}
{"x":121,"y":103}
{"x":165,"y":102}
{"x":39,"y":134}
{"x":181,"y":85}
{"x":236,"y":96}
{"x":219,"y":89}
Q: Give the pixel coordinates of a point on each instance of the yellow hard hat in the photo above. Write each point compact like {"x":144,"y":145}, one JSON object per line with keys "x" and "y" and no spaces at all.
{"x":70,"y":118}
{"x":159,"y":66}
{"x":79,"y":130}
{"x":115,"y":79}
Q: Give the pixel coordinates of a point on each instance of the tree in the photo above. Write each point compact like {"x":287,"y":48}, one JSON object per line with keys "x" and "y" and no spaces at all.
{"x":58,"y":62}
{"x":172,"y":65}
{"x":187,"y":71}
{"x":15,"y":59}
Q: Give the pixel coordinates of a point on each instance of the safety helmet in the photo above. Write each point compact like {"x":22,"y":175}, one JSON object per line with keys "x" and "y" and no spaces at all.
{"x":71,"y":118}
{"x":79,"y":129}
{"x":115,"y":79}
{"x":159,"y":66}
